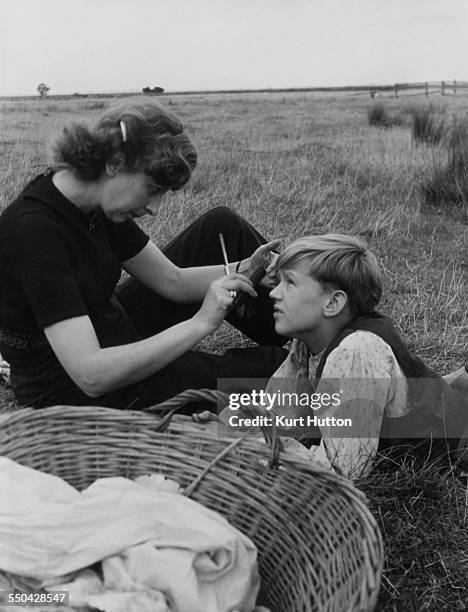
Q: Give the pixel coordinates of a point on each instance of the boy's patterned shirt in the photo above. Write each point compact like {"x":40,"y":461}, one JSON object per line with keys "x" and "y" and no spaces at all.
{"x":365,"y":371}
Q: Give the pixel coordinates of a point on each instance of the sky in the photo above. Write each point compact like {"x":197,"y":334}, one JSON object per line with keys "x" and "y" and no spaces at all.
{"x":83,"y":46}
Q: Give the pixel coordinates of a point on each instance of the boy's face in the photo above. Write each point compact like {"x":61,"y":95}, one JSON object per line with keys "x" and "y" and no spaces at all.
{"x":300,"y":301}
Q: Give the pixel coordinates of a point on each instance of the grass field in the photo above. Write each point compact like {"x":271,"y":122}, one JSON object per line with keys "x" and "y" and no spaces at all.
{"x":301,"y":163}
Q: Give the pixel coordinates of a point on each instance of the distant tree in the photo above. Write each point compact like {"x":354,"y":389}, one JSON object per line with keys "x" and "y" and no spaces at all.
{"x":42,"y":90}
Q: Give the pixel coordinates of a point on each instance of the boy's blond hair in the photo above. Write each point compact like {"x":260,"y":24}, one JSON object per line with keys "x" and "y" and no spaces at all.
{"x":339,"y":261}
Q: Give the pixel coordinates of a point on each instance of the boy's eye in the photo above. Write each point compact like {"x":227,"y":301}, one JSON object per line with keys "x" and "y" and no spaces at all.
{"x":157,"y":189}
{"x":273,"y":279}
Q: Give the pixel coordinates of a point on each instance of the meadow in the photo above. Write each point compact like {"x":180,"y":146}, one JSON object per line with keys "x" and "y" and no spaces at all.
{"x":302,"y":163}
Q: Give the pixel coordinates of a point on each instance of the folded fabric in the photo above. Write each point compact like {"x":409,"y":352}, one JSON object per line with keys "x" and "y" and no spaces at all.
{"x":164,"y":540}
{"x":116,"y":592}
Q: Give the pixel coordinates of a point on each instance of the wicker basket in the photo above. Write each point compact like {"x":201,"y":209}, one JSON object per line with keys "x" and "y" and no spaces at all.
{"x":319,"y":546}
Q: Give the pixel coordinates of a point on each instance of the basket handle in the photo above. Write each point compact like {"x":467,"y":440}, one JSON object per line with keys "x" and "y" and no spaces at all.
{"x":173,"y":404}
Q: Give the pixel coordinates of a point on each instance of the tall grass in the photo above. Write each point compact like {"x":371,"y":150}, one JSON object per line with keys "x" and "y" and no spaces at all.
{"x":446,"y":183}
{"x":378,"y":115}
{"x":428,"y":127}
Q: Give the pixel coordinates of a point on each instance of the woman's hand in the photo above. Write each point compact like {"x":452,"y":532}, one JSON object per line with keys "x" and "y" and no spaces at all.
{"x":270,"y":280}
{"x":219,"y":299}
{"x":264,"y":258}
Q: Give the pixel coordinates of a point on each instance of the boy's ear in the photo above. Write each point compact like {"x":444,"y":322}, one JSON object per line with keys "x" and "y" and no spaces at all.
{"x":115,"y":164}
{"x":337,"y":302}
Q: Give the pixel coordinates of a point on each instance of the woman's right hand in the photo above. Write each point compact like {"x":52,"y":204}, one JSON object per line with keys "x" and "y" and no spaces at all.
{"x":219,"y":298}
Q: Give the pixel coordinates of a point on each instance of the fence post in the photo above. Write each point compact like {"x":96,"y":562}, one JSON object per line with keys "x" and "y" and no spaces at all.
{"x":396,"y":90}
{"x":426,"y":87}
{"x":443,"y":88}
{"x":454,"y":86}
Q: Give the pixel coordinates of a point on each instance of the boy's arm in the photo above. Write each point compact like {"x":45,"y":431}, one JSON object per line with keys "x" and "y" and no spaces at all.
{"x":459,"y":379}
{"x":349,"y":456}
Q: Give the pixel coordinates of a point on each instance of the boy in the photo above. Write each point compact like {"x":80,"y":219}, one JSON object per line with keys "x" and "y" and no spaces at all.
{"x":325,"y":298}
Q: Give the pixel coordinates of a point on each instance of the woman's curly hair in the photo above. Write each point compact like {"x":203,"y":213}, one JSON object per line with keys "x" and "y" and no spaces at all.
{"x":141,"y":132}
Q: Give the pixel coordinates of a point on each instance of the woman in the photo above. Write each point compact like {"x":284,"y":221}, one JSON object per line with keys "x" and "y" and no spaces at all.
{"x":70,"y":334}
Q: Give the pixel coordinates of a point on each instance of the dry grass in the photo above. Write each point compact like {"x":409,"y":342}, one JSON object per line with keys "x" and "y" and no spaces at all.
{"x":379,"y":116}
{"x":422,"y":513}
{"x":446,"y":183}
{"x":428,"y":126}
{"x":302,"y":163}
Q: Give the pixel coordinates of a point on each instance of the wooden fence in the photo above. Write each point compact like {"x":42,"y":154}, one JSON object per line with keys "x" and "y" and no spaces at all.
{"x":445,"y":88}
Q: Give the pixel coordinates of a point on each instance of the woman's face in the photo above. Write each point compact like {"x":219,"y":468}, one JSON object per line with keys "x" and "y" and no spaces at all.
{"x":127,"y":195}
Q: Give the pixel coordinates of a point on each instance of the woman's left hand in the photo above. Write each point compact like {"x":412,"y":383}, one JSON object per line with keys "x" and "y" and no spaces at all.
{"x":261,"y":258}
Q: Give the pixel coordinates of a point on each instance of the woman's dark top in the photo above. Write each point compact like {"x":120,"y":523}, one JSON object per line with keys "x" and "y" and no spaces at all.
{"x":57,"y":263}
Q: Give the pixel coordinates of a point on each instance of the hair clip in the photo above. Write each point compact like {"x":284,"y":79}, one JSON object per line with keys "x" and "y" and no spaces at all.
{"x":123,"y":129}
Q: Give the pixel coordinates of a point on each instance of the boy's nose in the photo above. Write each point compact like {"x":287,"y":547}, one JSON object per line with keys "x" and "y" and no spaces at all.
{"x":274,"y":293}
{"x":151,"y":208}
{"x":153,"y":205}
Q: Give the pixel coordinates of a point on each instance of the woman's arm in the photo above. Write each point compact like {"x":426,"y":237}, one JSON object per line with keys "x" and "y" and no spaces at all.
{"x":97,"y":370}
{"x":186,"y":285}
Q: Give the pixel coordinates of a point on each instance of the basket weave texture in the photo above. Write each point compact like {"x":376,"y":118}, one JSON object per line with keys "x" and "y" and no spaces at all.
{"x":319,"y":546}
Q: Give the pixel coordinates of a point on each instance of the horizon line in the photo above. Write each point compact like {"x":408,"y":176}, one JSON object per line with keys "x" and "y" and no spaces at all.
{"x":366,"y":87}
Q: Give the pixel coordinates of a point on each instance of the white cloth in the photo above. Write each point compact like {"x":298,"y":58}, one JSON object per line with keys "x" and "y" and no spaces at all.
{"x":86,"y":589}
{"x":172,"y":543}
